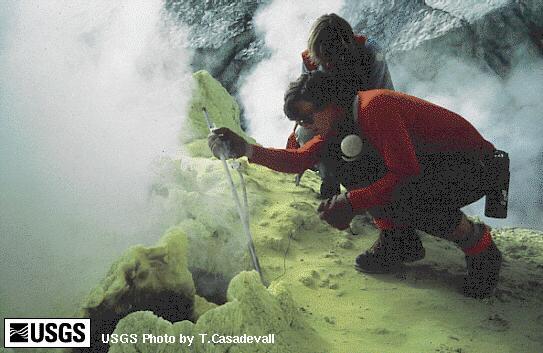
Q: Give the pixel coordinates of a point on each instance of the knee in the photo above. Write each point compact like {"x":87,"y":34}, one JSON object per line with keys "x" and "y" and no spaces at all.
{"x":463,"y":230}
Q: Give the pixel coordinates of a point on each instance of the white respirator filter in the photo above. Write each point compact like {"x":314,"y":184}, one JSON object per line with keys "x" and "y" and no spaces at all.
{"x":351,"y":147}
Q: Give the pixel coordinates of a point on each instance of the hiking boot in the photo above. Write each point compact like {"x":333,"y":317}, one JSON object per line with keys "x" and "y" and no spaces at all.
{"x":483,"y":272}
{"x":412,"y":245}
{"x":392,"y":248}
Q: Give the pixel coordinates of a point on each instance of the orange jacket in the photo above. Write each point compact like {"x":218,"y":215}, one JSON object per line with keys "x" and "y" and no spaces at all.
{"x":399,"y":127}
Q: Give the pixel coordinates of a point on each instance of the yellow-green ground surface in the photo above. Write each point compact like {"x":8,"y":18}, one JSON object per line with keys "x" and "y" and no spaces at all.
{"x":419,"y":308}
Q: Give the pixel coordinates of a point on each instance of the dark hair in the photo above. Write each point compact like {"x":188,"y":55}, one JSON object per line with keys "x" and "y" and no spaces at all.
{"x":320,"y":89}
{"x":330,"y":37}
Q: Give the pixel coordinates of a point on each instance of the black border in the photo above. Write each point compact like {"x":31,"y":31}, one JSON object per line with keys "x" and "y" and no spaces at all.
{"x":47,"y":318}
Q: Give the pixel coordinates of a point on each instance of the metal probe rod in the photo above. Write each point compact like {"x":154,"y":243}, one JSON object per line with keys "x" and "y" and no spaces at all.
{"x":243,"y":213}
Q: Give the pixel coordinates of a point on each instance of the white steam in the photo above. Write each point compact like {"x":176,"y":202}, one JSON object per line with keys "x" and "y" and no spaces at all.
{"x":284,"y":26}
{"x":92,"y":93}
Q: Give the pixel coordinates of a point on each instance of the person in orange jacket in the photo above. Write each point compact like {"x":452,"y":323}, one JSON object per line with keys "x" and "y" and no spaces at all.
{"x":334,"y":48}
{"x":412,"y":164}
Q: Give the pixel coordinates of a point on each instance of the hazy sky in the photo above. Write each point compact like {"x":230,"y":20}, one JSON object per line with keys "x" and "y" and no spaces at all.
{"x":92,"y":93}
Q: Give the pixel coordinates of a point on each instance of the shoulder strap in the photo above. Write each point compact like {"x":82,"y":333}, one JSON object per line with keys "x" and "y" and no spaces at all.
{"x":356,"y":104}
{"x":350,"y":125}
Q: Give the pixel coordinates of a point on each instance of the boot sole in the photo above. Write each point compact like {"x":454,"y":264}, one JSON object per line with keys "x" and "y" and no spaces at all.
{"x":391,"y":269}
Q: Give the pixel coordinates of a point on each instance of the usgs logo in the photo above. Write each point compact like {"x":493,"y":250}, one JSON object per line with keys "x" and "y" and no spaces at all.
{"x":48,"y":333}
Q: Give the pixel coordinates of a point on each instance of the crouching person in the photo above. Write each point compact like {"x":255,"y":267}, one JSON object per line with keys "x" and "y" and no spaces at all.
{"x":408,"y":162}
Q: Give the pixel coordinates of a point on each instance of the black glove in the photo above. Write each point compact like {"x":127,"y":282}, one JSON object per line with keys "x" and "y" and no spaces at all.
{"x":337,"y":211}
{"x":224,"y":141}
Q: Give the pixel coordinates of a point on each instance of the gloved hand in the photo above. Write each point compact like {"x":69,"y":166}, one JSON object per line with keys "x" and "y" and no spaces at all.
{"x":226,"y":142}
{"x":337,"y":211}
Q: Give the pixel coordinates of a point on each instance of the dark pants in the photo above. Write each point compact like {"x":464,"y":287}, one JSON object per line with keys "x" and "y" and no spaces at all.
{"x":432,"y":200}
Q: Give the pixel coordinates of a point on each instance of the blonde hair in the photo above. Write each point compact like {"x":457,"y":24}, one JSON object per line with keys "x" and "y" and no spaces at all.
{"x":330,"y":38}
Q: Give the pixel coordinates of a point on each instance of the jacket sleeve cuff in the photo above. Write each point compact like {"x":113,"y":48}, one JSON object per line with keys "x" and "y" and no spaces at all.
{"x":249,"y":151}
{"x":349,"y":197}
{"x":254,"y":153}
{"x":358,"y":201}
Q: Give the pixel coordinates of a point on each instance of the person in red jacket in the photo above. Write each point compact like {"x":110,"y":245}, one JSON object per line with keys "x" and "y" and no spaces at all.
{"x":333,"y":47}
{"x":359,"y":62}
{"x":412,"y":164}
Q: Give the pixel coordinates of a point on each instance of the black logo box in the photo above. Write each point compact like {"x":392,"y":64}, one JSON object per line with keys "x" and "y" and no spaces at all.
{"x":17,"y":337}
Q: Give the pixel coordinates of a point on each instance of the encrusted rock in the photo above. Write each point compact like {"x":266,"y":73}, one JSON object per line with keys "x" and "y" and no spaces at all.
{"x":145,"y":278}
{"x":252,"y":309}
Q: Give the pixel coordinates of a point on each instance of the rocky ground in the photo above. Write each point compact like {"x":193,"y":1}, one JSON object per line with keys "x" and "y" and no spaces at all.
{"x":315,"y":301}
{"x":227,"y":45}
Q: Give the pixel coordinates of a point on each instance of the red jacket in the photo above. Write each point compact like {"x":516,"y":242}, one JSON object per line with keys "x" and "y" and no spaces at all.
{"x":399,"y":126}
{"x":291,"y":142}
